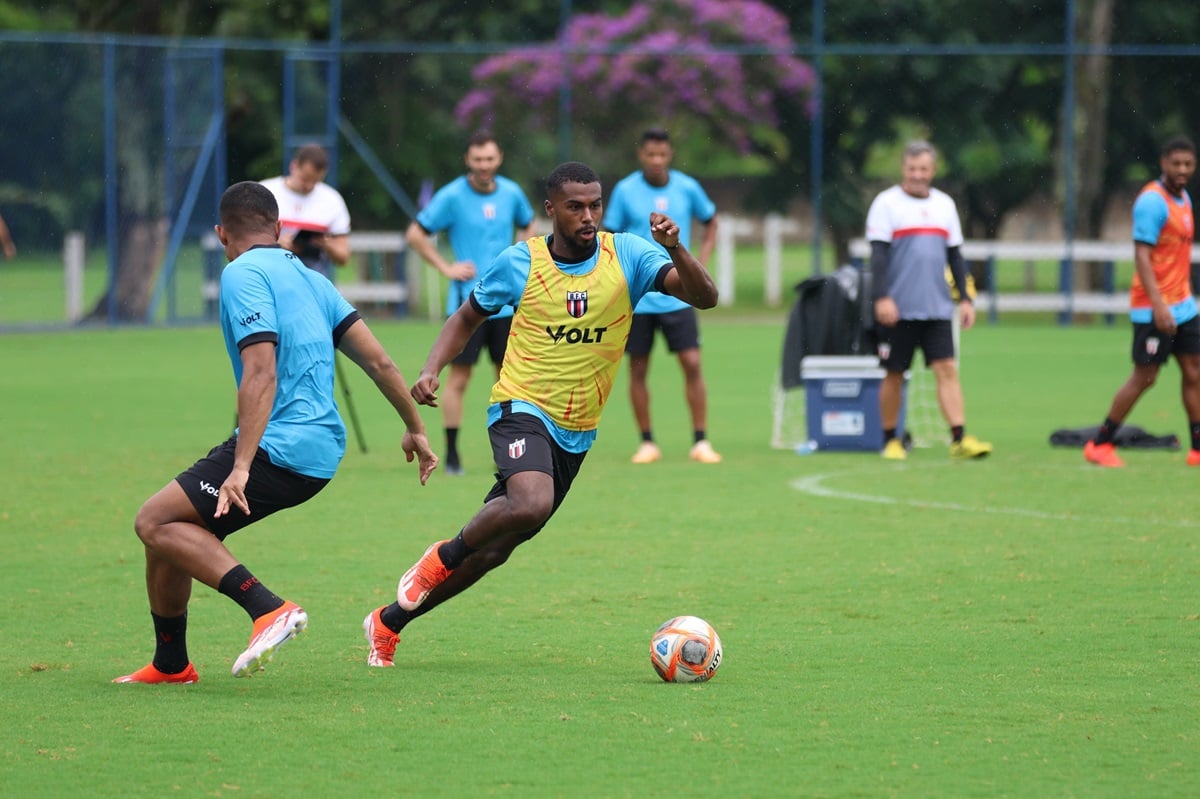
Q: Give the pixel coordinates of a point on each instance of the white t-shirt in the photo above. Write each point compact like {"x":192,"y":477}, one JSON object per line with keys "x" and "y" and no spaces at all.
{"x":322,"y":210}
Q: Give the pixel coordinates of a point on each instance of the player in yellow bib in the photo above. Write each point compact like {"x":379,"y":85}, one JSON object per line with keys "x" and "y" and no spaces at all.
{"x":574,"y":293}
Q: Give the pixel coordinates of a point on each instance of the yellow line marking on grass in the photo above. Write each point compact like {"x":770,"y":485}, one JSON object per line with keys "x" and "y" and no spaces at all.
{"x":814,"y":485}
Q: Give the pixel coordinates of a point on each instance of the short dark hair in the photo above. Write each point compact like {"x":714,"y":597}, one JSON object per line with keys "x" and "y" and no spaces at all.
{"x":1177,"y":143}
{"x":655,"y":134}
{"x":480,"y":138}
{"x":248,"y":207}
{"x":570,"y":172}
{"x":312,"y":153}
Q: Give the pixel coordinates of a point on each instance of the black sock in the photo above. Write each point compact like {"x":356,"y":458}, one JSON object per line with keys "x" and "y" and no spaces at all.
{"x":1107,"y":432}
{"x":647,"y":436}
{"x":454,"y":552}
{"x":244,"y":588}
{"x":956,"y":433}
{"x":170,"y":643}
{"x":451,"y":445}
{"x":888,"y":435}
{"x":1195,"y":427}
{"x":395,"y":617}
{"x":699,"y":435}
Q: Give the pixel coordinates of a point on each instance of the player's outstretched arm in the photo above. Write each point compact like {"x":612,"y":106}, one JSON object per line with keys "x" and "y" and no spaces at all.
{"x":689,"y":281}
{"x":450,"y":342}
{"x":361,"y":346}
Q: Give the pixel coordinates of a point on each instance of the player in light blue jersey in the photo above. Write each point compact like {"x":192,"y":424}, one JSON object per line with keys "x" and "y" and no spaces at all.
{"x":480,"y":210}
{"x":656,"y":188}
{"x":282,"y":323}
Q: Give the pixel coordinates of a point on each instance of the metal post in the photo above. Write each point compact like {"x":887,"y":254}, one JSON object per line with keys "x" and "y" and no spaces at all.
{"x":1069,"y":157}
{"x":817,"y":144}
{"x":112,"y":230}
{"x":289,"y":111}
{"x":73,"y":262}
{"x":333,"y":88}
{"x":773,"y":250}
{"x":564,"y":86}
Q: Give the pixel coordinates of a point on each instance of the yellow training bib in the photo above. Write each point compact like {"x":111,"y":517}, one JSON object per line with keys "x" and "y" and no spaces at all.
{"x":568,"y":337}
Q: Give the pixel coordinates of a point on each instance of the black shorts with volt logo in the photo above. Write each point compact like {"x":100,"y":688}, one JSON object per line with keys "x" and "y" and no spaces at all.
{"x":521,"y":443}
{"x":271,"y":488}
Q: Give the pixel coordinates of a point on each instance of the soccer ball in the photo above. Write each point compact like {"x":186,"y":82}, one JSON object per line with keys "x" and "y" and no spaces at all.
{"x":685,"y":649}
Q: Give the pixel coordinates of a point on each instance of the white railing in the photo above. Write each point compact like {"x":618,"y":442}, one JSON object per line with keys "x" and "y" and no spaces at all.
{"x":731,"y":229}
{"x":391,"y":292}
{"x":1062,"y":253}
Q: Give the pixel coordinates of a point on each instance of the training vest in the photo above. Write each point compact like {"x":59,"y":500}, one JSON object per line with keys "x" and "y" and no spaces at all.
{"x":1171,"y":257}
{"x":568,"y":337}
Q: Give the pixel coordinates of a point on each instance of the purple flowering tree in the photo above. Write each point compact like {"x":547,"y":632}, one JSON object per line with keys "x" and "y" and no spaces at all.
{"x":721,"y":68}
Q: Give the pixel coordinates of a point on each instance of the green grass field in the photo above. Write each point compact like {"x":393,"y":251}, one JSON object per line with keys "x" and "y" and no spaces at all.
{"x":1025,"y":626}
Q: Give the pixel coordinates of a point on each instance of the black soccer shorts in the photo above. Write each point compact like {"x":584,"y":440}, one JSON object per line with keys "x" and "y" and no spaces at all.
{"x":271,"y":488}
{"x":680,"y":328}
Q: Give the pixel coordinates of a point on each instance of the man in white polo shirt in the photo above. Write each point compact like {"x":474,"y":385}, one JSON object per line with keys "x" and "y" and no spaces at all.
{"x":316,"y":222}
{"x":914,"y":233}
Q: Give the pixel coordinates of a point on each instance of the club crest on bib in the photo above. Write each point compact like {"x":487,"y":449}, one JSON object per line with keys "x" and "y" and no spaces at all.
{"x":516,"y":449}
{"x":577,"y":304}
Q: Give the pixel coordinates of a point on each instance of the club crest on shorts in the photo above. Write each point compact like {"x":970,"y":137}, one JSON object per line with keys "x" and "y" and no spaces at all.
{"x":516,"y":449}
{"x":577,"y":304}
{"x":885,"y":350}
{"x":1152,"y":345}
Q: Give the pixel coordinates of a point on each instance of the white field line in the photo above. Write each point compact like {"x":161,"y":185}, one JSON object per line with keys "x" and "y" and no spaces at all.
{"x":814,"y":485}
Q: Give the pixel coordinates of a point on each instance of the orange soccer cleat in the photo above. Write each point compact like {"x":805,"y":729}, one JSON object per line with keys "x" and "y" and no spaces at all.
{"x":1102,"y":455}
{"x":425,"y":575}
{"x":151,"y":675}
{"x":270,"y":632}
{"x":382,"y":640}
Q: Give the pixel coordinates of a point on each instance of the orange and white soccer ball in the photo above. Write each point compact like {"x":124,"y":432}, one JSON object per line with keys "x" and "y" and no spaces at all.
{"x":685,"y":649}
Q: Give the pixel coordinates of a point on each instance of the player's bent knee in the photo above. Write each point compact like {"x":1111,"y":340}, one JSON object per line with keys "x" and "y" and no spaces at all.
{"x":146,"y":525}
{"x":529,"y":514}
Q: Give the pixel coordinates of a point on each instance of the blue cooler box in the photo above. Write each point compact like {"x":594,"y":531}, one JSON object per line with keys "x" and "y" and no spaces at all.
{"x":841,"y":394}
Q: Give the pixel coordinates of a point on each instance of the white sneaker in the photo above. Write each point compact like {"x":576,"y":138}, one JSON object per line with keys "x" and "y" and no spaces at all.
{"x":703,"y":452}
{"x":648,"y":452}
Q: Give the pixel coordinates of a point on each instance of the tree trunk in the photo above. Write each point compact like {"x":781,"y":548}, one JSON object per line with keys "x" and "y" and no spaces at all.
{"x":140,"y":254}
{"x":1092,"y":80}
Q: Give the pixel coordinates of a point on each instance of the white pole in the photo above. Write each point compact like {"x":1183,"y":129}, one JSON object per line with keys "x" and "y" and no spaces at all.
{"x":73,"y":257}
{"x":773,"y":245}
{"x":725,"y":247}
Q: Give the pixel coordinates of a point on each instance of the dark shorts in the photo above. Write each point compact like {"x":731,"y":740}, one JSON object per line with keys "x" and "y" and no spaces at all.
{"x":494,"y":333}
{"x":521,"y":443}
{"x":1151,"y":346}
{"x":680,"y":328}
{"x":271,"y":488}
{"x":897,"y":345}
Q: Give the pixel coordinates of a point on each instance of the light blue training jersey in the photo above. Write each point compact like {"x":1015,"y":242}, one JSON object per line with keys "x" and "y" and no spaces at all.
{"x":480,"y":226}
{"x":504,"y":281}
{"x":682,"y":199}
{"x":268,"y":294}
